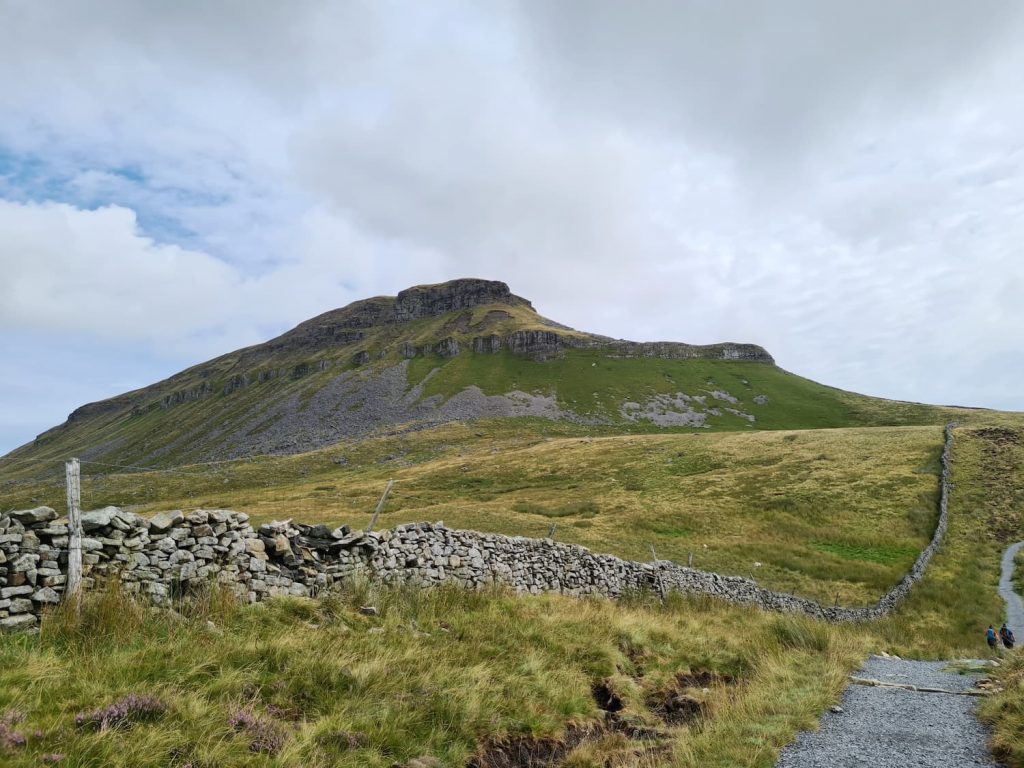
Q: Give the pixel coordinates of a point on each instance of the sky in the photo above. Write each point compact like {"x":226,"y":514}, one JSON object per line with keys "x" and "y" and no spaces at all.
{"x":842,"y":183}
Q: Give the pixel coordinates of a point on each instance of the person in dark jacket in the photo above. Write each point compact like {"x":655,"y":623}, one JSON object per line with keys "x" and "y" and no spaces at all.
{"x":1006,"y":635}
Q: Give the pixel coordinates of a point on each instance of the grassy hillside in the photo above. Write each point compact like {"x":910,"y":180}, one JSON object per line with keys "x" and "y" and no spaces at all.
{"x":826,"y":513}
{"x":450,"y":675}
{"x":586,"y":385}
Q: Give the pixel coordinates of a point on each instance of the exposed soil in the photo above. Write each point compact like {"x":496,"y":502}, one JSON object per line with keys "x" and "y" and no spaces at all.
{"x":605,"y":698}
{"x":531,"y":752}
{"x":678,"y":704}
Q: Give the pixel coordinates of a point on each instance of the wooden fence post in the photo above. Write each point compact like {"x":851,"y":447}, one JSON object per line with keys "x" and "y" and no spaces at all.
{"x":661,"y":583}
{"x":380,"y":506}
{"x":74,"y":488}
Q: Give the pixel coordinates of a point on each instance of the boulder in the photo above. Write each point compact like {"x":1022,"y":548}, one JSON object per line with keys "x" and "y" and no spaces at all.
{"x":16,"y":623}
{"x":281,"y":545}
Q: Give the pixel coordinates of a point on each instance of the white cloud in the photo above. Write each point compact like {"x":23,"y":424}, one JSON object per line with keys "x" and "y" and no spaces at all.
{"x":843,"y":184}
{"x":91,"y":272}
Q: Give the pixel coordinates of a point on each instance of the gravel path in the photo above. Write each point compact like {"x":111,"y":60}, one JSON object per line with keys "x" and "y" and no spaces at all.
{"x":1014,"y":605}
{"x":895,"y":728}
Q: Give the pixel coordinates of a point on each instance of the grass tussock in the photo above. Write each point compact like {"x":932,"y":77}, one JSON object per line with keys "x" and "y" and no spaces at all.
{"x":1004,"y":712}
{"x":436,"y":673}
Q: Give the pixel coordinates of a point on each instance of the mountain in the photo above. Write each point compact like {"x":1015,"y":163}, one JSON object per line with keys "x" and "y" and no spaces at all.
{"x":465,"y":349}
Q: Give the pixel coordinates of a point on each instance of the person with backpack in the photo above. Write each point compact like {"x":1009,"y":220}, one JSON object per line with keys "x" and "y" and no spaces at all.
{"x":1006,"y":635}
{"x":990,"y":636}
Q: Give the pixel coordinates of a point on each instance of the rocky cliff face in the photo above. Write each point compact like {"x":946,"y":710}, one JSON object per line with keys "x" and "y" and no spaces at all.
{"x":349,"y":324}
{"x":343,"y":373}
{"x":453,"y":296}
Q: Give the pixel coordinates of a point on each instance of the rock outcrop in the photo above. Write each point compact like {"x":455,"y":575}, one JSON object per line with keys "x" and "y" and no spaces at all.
{"x":222,"y":408}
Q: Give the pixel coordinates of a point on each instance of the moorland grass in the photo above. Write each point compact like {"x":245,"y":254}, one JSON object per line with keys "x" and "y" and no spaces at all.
{"x":443,"y":672}
{"x":946,"y":614}
{"x":438,"y":672}
{"x":1004,"y":712}
{"x":832,"y":514}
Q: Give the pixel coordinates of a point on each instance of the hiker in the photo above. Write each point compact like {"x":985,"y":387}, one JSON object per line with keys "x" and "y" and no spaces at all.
{"x":993,"y":641}
{"x":1006,"y":635}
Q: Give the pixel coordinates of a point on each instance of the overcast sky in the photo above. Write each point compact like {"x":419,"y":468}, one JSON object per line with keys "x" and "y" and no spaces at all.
{"x":840,"y":182}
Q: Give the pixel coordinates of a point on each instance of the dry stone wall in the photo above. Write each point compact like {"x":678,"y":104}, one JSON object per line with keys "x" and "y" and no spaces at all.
{"x":172,"y":553}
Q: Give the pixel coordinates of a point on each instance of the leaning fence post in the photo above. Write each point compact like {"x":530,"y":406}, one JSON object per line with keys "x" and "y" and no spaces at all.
{"x":74,"y":489}
{"x":661,"y":584}
{"x":380,"y":506}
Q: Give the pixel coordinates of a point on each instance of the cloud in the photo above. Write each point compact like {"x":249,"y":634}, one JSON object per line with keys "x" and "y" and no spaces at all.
{"x":841,"y":183}
{"x":92,"y":273}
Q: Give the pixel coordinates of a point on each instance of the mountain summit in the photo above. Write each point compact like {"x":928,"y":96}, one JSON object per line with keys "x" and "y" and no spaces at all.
{"x":463,"y":349}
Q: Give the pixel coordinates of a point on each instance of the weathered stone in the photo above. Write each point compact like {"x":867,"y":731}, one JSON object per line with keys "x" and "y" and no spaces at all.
{"x":167,"y":545}
{"x":15,"y":591}
{"x":96,"y":519}
{"x":54,"y":529}
{"x":46,"y":595}
{"x":181,"y":556}
{"x":20,"y":605}
{"x":166,"y":520}
{"x":17,"y":623}
{"x":33,"y":516}
{"x":198,"y":517}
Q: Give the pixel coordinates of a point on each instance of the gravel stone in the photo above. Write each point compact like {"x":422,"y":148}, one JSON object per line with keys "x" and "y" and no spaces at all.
{"x":896,"y":728}
{"x":1014,"y":604}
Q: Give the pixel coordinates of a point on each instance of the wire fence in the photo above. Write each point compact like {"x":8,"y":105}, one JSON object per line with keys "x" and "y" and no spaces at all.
{"x":267,"y":488}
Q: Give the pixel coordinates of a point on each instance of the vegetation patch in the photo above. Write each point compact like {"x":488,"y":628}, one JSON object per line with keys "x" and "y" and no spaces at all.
{"x":872,"y":554}
{"x":1004,"y":712}
{"x":582,"y":509}
{"x":510,"y":679}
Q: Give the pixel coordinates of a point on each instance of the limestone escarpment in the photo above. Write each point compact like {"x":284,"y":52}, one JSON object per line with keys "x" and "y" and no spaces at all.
{"x":546,"y":344}
{"x":344,"y":374}
{"x":349,"y":324}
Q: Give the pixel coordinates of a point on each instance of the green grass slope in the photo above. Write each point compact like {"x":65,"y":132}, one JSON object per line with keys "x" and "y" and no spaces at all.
{"x":453,"y":678}
{"x":586,"y":384}
{"x":826,"y":513}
